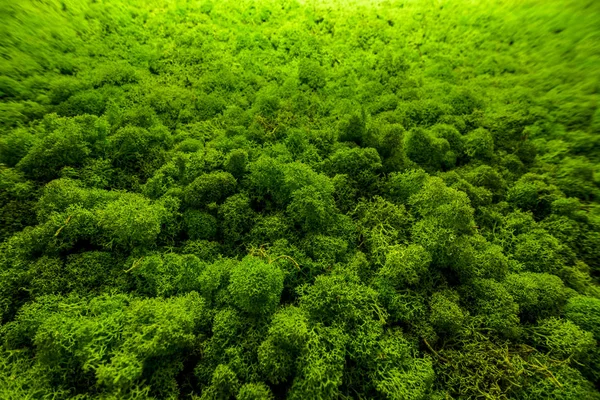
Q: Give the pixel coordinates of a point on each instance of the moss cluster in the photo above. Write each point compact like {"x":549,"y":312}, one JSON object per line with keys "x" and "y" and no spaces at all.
{"x":269,"y":199}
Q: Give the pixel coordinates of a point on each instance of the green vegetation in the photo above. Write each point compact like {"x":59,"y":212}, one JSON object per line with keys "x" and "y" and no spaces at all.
{"x":300,"y":199}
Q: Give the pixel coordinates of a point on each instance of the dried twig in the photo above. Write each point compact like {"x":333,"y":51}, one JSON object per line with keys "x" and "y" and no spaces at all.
{"x":435,"y":352}
{"x":63,"y":227}
{"x":136,"y":264}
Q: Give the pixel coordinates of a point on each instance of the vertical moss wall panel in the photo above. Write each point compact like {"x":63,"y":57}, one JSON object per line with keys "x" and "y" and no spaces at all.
{"x":260,"y":199}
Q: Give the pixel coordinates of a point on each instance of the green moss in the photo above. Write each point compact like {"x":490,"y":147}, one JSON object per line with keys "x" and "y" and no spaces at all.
{"x":307,"y":200}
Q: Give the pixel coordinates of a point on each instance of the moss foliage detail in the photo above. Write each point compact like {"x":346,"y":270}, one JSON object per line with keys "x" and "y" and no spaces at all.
{"x":265,"y":199}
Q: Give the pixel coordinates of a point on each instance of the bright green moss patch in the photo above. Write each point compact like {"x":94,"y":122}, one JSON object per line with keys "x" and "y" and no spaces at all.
{"x":265,"y":199}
